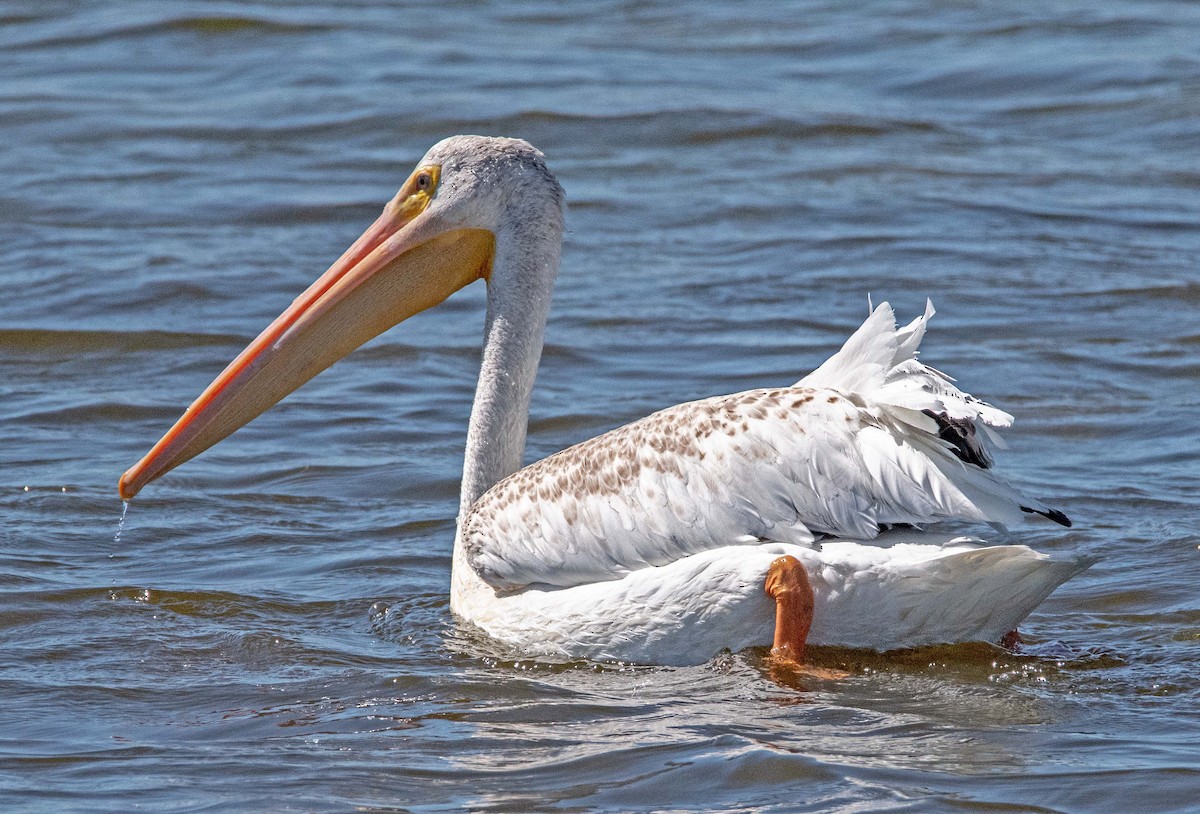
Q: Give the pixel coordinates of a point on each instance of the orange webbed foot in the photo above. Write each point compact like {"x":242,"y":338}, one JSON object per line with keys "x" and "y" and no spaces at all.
{"x":788,"y":584}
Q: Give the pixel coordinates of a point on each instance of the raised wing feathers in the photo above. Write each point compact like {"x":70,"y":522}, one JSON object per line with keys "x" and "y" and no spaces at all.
{"x":853,"y":445}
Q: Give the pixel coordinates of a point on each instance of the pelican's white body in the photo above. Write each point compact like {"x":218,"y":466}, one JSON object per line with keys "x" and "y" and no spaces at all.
{"x":905,"y":594}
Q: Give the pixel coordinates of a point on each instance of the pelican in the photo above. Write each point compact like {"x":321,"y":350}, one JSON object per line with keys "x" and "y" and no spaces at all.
{"x":741,"y":520}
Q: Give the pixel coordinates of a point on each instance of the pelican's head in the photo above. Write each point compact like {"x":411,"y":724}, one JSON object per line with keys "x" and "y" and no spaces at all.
{"x":442,"y":231}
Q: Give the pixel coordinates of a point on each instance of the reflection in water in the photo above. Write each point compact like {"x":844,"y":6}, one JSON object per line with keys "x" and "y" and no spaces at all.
{"x":611,"y":733}
{"x":719,"y":728}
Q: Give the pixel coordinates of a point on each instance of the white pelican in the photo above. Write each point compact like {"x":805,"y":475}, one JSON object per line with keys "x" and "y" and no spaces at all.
{"x":705,"y":526}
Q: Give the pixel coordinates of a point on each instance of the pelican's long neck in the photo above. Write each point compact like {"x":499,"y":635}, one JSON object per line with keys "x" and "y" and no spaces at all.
{"x":528,"y":245}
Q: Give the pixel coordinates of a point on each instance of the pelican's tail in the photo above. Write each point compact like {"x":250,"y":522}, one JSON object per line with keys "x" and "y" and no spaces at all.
{"x":978,"y":594}
{"x":878,"y":367}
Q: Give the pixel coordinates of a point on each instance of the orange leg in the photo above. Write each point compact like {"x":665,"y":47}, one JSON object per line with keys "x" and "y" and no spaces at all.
{"x":787,"y":583}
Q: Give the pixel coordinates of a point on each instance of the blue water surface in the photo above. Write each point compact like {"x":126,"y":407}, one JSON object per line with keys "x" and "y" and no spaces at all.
{"x":271,"y":631}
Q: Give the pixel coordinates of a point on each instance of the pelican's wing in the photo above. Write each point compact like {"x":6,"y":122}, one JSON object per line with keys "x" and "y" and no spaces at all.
{"x":872,"y":437}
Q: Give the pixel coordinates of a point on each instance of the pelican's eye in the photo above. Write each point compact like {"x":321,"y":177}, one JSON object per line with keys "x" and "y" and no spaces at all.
{"x":418,"y":191}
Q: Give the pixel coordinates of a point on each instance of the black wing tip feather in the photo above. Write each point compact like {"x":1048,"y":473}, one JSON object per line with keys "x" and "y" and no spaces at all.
{"x":964,"y":441}
{"x":1053,"y":514}
{"x":968,"y":447}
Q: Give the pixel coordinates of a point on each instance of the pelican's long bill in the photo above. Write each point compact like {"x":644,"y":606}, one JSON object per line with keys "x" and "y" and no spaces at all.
{"x":407,"y":261}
